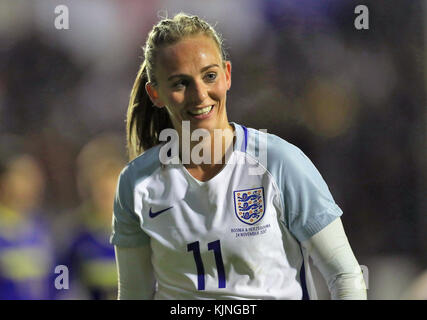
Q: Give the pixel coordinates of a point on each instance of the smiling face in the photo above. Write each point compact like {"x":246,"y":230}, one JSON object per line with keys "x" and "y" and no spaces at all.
{"x":192,"y":83}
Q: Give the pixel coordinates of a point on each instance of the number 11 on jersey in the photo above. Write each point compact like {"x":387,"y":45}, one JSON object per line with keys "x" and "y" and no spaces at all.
{"x":216,"y":247}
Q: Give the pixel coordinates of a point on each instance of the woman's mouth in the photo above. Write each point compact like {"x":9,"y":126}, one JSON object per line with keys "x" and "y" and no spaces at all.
{"x":201,"y":113}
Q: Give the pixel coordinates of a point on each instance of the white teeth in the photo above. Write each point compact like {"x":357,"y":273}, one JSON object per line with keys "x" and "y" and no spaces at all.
{"x":201,"y":111}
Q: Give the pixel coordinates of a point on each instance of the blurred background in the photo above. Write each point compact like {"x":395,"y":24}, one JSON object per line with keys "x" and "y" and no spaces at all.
{"x":352,"y":100}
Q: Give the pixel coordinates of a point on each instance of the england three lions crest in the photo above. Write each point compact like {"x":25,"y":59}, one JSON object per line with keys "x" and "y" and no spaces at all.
{"x":249,"y":205}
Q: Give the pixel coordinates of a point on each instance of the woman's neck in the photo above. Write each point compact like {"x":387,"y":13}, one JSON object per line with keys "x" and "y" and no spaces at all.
{"x":208,"y":155}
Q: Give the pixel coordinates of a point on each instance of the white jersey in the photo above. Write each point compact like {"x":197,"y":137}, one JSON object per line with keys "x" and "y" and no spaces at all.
{"x":236,"y":236}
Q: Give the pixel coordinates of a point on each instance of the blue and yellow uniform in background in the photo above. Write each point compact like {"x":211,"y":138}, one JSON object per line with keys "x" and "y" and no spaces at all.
{"x":26,"y":257}
{"x":91,"y":259}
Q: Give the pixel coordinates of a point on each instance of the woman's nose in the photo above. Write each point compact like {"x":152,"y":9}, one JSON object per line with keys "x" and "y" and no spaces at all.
{"x":199,"y":92}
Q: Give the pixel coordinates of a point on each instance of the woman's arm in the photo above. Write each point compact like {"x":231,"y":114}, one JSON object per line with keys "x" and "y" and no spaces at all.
{"x":135,"y":273}
{"x":332,"y":255}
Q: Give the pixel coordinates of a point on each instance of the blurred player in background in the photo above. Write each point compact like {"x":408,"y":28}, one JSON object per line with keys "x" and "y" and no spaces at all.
{"x":213,"y":230}
{"x":90,"y":256}
{"x":26,"y":252}
{"x":417,"y":288}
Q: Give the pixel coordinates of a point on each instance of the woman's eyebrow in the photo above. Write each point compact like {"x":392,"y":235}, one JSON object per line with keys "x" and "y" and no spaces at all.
{"x":208,"y":67}
{"x":184,"y":75}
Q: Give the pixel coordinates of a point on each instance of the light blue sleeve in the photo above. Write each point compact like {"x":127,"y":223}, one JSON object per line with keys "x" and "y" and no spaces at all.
{"x":127,"y":231}
{"x":308,"y":203}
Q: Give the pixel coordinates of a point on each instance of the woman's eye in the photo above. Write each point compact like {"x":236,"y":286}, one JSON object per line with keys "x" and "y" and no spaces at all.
{"x":179,"y":84}
{"x":211,"y":76}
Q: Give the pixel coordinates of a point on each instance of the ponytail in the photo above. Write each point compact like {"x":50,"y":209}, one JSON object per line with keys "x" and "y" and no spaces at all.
{"x":144,"y":121}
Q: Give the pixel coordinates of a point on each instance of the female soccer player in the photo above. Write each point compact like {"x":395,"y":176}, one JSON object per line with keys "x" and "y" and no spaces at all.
{"x":217,"y":229}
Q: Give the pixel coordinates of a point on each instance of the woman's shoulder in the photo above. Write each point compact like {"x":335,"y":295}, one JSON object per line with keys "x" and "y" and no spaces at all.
{"x":274,"y":149}
{"x":142,"y":166}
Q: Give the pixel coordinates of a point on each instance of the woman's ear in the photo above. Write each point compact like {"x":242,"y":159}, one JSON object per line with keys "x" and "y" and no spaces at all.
{"x":228,"y":74}
{"x":154,"y":95}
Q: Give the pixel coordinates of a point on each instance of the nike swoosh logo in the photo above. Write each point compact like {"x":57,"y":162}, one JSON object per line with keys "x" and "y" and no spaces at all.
{"x":155,"y":214}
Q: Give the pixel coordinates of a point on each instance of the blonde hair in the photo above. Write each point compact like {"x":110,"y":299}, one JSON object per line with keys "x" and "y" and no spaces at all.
{"x":145,"y":122}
